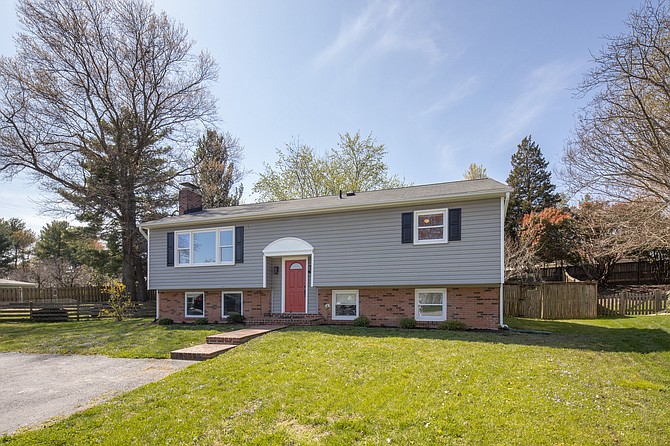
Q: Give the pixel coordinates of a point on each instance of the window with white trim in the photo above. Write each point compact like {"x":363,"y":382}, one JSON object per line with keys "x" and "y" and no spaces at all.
{"x":206,"y":247}
{"x":430,"y":304}
{"x":195,"y":305}
{"x":430,"y":226}
{"x":345,"y":305}
{"x":231,"y":302}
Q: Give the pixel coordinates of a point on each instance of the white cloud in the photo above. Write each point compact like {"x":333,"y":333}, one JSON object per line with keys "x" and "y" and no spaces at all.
{"x":383,"y":27}
{"x":540,"y":88}
{"x":456,"y":93}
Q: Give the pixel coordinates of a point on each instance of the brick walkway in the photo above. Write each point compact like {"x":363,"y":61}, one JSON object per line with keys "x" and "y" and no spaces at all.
{"x":222,"y":342}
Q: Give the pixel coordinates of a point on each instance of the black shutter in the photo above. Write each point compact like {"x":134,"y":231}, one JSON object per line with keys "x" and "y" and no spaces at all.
{"x":239,"y":244}
{"x":407,"y":233}
{"x":170,"y":249}
{"x":454,"y":224}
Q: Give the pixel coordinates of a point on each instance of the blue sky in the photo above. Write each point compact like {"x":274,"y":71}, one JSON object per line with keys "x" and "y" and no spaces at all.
{"x":441,"y":84}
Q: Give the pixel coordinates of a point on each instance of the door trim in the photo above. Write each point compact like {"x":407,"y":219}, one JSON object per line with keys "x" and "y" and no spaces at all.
{"x":283,"y":281}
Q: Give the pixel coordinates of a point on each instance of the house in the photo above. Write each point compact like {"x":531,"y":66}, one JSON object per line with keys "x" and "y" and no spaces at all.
{"x":432,"y":252}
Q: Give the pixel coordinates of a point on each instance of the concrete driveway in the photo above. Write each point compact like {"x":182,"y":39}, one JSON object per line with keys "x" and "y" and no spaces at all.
{"x":35,"y":388}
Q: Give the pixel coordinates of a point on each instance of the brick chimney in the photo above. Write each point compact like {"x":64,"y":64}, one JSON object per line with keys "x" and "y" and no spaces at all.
{"x":190,"y":199}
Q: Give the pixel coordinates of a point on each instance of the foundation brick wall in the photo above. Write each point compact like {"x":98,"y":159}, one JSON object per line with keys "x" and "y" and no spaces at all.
{"x":476,"y":307}
{"x":171,"y":304}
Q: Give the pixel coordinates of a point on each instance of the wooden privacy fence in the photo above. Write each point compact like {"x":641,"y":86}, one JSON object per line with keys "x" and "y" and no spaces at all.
{"x":627,"y":303}
{"x":551,"y":300}
{"x":66,"y":310}
{"x":83,"y":294}
{"x":87,"y":294}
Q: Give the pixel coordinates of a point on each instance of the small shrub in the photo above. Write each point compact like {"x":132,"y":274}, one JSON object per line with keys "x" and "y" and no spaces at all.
{"x":235,"y":318}
{"x":165,"y":321}
{"x":119,"y":300}
{"x":453,"y":325}
{"x":201,"y":321}
{"x":361,"y":321}
{"x":408,"y":322}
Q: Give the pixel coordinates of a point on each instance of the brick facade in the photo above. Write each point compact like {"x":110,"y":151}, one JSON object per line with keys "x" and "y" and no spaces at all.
{"x":171,"y":304}
{"x":477,"y":307}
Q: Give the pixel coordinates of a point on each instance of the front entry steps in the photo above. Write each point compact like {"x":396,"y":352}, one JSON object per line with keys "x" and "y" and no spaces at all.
{"x":221,"y":343}
{"x":298,"y":319}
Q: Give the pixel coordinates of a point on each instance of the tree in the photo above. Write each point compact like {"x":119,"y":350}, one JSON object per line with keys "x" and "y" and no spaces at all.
{"x":357,"y":165}
{"x":20,"y":238}
{"x":550,"y":234}
{"x":531,"y":182}
{"x":475,"y":172}
{"x":216,"y":171}
{"x":99,"y":104}
{"x":621,"y":146}
{"x":5,"y":251}
{"x":61,"y":245}
{"x":607,"y":233}
{"x":56,"y":241}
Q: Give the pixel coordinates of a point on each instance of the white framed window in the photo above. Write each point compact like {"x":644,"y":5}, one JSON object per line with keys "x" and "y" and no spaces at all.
{"x":430,"y":304}
{"x":430,"y":226}
{"x":345,"y":305}
{"x":194,"y":305}
{"x":206,"y":247}
{"x":231,"y":302}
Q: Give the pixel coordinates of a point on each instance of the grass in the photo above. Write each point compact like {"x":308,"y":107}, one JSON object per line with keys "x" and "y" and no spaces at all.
{"x":131,"y":338}
{"x":588,"y":383}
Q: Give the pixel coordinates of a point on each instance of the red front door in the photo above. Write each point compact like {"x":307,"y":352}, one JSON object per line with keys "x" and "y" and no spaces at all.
{"x":294,"y":287}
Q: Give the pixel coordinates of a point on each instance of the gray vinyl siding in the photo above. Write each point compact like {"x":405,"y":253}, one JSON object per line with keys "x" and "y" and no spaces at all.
{"x":351,"y":249}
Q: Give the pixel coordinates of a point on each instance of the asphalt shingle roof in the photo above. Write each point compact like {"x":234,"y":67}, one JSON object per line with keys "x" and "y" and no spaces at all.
{"x":461,"y":190}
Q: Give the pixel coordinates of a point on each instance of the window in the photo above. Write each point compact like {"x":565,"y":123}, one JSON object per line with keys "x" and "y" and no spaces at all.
{"x":199,"y":247}
{"x":231,"y":302}
{"x":345,"y":304}
{"x":195,"y":305}
{"x":226,"y":246}
{"x":430,"y":305}
{"x":430,"y":226}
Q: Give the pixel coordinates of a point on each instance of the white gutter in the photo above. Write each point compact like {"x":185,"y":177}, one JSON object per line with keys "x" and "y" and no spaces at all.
{"x":144,"y":234}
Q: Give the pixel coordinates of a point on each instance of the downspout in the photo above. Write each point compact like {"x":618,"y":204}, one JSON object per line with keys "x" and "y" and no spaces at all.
{"x":504,"y":201}
{"x":145,"y":234}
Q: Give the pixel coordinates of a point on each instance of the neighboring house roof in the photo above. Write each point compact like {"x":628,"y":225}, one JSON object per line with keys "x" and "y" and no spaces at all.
{"x":5,"y":283}
{"x":439,"y":192}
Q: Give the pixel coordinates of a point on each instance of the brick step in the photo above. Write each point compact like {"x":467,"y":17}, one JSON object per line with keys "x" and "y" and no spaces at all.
{"x":201,"y":352}
{"x":241,"y":336}
{"x":299,"y":320}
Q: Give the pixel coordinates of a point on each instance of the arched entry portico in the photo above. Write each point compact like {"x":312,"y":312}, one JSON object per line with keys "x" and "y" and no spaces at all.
{"x":297,"y":264}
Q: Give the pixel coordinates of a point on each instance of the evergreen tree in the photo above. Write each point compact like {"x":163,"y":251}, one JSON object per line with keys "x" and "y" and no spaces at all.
{"x":532,"y":186}
{"x":5,"y":250}
{"x":20,"y":238}
{"x":216,"y":170}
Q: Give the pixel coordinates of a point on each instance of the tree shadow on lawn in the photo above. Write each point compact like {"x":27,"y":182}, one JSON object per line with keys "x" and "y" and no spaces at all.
{"x":563,"y":335}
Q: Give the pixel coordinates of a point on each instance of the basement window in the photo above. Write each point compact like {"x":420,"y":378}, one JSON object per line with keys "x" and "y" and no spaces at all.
{"x":345,"y":305}
{"x":430,"y":304}
{"x":195,"y":305}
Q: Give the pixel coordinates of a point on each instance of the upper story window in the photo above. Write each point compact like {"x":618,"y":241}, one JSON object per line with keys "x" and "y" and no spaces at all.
{"x":430,"y":226}
{"x":206,"y":247}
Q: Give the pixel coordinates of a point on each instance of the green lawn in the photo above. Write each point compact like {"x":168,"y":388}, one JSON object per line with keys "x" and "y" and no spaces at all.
{"x":590,"y":382}
{"x":132,"y":338}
